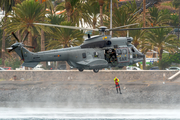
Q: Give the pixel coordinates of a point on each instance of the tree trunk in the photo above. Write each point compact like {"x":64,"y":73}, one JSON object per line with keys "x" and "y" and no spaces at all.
{"x":68,"y":16}
{"x":94,"y":25}
{"x":30,"y":40}
{"x":19,"y":35}
{"x":179,"y":13}
{"x":144,"y":25}
{"x":67,"y":65}
{"x":43,"y":45}
{"x":3,"y":49}
{"x":101,"y":15}
{"x":160,"y":53}
{"x":178,"y":25}
{"x":68,"y":9}
{"x":30,"y":43}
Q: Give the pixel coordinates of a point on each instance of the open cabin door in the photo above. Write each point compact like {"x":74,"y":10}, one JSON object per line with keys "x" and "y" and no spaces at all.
{"x":122,"y":55}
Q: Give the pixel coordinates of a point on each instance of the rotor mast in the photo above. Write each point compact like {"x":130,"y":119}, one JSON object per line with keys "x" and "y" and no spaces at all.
{"x":102,"y":30}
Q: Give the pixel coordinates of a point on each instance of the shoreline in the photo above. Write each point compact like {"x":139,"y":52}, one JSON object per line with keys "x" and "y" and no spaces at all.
{"x":90,"y":94}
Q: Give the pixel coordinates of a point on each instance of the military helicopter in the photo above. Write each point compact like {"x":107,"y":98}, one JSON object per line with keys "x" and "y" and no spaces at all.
{"x":97,"y":52}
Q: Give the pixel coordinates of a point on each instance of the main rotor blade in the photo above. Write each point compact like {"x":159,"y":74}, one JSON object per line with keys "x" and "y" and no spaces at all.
{"x":63,"y":26}
{"x":15,"y":36}
{"x":25,"y":37}
{"x":143,"y":28}
{"x":9,"y":48}
{"x":123,"y":26}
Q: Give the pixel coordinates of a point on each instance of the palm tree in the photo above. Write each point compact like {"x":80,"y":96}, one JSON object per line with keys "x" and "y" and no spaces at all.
{"x":101,"y":2}
{"x":46,"y":4}
{"x":25,"y":14}
{"x":158,"y":17}
{"x":174,"y":20}
{"x":123,"y":16}
{"x":7,"y":6}
{"x":176,"y":4}
{"x":70,"y":6}
{"x":137,"y":36}
{"x":159,"y":38}
{"x":91,"y":13}
{"x":63,"y":37}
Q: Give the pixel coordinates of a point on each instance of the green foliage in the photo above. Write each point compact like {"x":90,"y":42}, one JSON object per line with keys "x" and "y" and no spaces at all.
{"x":149,"y":66}
{"x":160,"y":40}
{"x":63,"y":37}
{"x":168,"y":59}
{"x":163,"y":64}
{"x":0,"y":61}
{"x":174,"y":58}
{"x":23,"y":17}
{"x":158,"y":17}
{"x":174,"y":20}
{"x":176,"y":3}
{"x":7,"y":5}
{"x":11,"y":62}
{"x":167,"y":4}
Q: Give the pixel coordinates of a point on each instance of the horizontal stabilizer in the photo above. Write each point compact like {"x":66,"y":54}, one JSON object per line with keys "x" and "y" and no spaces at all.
{"x":30,"y":64}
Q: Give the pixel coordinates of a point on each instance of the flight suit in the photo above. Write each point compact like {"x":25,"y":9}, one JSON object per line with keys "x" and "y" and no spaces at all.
{"x":107,"y":57}
{"x":113,"y":61}
{"x":116,"y":80}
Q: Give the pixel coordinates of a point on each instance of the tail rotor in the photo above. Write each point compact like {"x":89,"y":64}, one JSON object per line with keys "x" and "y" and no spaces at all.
{"x":19,"y":44}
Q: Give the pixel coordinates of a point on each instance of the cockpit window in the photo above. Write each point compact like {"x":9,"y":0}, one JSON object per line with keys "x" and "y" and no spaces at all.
{"x":119,"y":52}
{"x":132,"y":49}
{"x":124,"y":51}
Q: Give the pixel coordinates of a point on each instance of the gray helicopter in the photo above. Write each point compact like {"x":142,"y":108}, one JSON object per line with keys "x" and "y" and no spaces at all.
{"x":97,"y":52}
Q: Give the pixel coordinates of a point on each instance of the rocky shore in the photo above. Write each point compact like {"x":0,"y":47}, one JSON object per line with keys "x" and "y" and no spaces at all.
{"x":82,"y":93}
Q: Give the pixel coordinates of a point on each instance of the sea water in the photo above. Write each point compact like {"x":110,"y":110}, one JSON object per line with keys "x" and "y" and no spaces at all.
{"x":87,"y":114}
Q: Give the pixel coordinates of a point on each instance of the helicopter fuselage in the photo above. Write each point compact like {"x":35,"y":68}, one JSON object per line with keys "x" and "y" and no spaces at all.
{"x":95,"y":53}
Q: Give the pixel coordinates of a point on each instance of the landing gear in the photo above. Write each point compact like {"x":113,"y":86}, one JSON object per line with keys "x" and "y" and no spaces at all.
{"x":96,"y":70}
{"x":80,"y":70}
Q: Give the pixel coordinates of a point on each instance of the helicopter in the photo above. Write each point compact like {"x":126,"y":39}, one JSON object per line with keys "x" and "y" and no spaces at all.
{"x":97,"y":52}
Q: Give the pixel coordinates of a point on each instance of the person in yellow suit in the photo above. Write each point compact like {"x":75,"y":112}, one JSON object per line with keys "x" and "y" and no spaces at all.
{"x":116,"y":80}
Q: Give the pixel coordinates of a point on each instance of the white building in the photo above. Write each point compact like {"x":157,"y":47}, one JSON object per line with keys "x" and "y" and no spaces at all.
{"x":1,"y":14}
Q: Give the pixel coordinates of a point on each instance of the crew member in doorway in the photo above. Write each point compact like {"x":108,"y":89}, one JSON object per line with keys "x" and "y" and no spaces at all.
{"x":107,"y":55}
{"x":113,"y":60}
{"x":116,"y":80}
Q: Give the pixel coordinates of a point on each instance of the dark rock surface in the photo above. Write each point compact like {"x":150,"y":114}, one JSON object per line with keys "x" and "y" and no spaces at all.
{"x":90,"y":92}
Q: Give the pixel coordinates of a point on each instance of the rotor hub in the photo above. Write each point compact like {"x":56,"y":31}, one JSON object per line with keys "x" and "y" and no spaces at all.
{"x":102,"y":30}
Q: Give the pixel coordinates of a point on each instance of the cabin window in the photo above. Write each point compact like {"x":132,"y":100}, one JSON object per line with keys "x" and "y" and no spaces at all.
{"x":124,"y":51}
{"x":119,"y":52}
{"x":95,"y":54}
{"x":84,"y":55}
{"x":134,"y":55}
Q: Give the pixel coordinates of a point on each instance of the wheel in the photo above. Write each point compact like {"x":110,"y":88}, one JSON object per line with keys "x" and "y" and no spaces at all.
{"x":96,"y":70}
{"x":80,"y":70}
